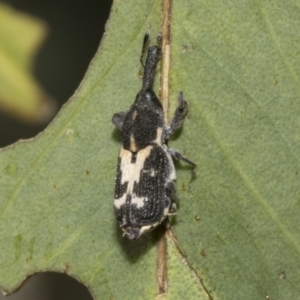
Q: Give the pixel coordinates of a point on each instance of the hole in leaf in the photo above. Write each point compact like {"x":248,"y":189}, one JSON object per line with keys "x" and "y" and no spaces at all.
{"x":50,"y":286}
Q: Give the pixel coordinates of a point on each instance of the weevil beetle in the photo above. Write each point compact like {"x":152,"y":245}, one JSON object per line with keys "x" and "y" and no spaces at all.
{"x":145,"y":189}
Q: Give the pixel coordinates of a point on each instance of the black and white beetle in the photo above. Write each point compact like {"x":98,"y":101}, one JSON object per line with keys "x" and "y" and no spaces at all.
{"x":145,"y":189}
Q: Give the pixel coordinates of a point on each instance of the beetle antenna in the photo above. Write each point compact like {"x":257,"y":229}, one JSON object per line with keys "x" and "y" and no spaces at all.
{"x":145,"y":41}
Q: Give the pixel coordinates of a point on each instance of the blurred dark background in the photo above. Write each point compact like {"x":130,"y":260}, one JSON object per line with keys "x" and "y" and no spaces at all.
{"x":75,"y":31}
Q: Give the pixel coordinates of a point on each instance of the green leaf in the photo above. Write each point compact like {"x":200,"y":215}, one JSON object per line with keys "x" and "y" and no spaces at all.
{"x":238,"y":63}
{"x":237,"y":226}
{"x":20,"y":95}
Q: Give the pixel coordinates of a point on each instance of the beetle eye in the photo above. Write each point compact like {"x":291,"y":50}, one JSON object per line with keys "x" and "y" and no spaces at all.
{"x":147,"y":96}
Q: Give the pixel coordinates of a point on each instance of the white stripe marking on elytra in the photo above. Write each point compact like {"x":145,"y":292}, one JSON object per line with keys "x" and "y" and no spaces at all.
{"x":131,"y":172}
{"x":139,"y":201}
